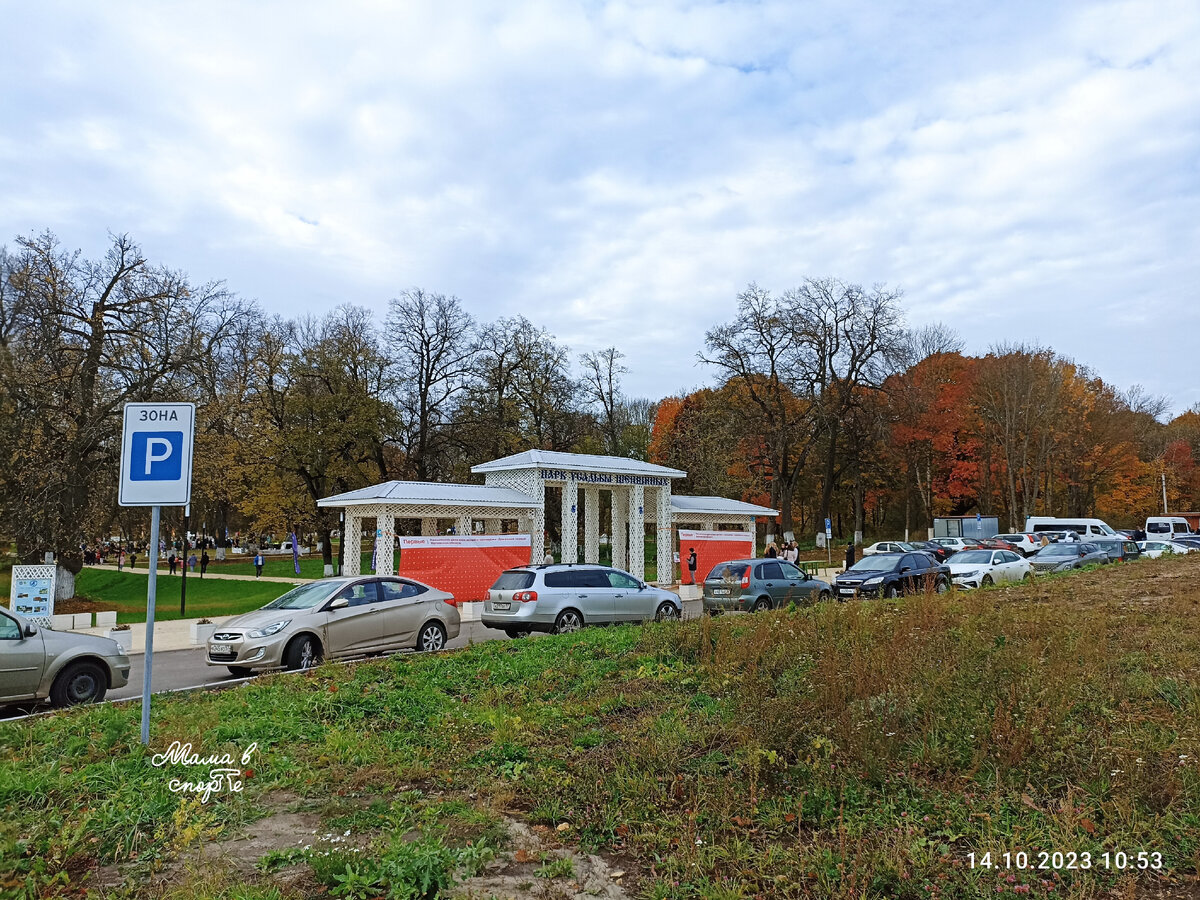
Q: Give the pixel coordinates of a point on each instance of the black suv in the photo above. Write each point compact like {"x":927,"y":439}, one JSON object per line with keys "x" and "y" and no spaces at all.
{"x":892,"y":574}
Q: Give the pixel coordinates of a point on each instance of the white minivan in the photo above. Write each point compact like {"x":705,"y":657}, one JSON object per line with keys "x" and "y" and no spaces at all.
{"x":1087,"y":529}
{"x":1163,"y":528}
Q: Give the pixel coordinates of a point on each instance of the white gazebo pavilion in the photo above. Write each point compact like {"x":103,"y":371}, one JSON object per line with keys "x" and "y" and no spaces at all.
{"x":514,"y":490}
{"x":429,"y":502}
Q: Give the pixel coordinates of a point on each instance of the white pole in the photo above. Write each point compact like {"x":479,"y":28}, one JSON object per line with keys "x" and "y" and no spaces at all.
{"x":1164,"y":482}
{"x":151,"y":586}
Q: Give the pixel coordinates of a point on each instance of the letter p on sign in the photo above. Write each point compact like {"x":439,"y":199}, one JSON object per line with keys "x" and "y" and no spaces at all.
{"x":157,"y":456}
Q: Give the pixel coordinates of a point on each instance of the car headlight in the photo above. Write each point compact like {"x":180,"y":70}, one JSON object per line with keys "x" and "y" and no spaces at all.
{"x":120,"y":650}
{"x":269,"y":630}
{"x":878,"y":579}
{"x":970,"y":574}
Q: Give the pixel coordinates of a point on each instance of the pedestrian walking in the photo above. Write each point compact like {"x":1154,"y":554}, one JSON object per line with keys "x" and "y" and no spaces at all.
{"x":203,"y":563}
{"x":692,"y":563}
{"x":132,"y":560}
{"x":258,"y":564}
{"x":171,"y":560}
{"x":772,"y":551}
{"x":849,"y":554}
{"x":192,"y":563}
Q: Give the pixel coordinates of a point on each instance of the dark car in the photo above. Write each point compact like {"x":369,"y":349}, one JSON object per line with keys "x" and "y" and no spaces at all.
{"x":757,"y":584}
{"x":937,"y":550}
{"x":892,"y":574}
{"x":1066,"y":555}
{"x":1119,"y":551}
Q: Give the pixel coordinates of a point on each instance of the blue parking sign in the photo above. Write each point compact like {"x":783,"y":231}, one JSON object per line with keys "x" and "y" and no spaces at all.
{"x":156,"y":456}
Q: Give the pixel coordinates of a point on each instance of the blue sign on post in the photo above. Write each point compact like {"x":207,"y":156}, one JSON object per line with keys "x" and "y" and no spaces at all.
{"x":156,"y":471}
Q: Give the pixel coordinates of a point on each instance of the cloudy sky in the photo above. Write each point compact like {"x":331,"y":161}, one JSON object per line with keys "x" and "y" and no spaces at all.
{"x":618,"y":172}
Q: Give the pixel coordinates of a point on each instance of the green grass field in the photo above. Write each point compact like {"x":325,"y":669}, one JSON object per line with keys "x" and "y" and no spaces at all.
{"x":862,"y":750}
{"x":126,"y":593}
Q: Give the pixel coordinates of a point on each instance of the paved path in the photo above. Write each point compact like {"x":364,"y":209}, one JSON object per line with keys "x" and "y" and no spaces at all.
{"x":296,"y":579}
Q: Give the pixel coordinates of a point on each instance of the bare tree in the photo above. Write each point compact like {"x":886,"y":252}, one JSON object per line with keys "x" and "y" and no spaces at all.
{"x":758,"y":353}
{"x":931,"y":340}
{"x":430,"y":342}
{"x":602,"y":373}
{"x":848,"y":339}
{"x":1020,"y":397}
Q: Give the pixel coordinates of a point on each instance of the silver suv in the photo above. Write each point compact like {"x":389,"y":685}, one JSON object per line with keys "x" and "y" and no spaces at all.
{"x":562,"y":598}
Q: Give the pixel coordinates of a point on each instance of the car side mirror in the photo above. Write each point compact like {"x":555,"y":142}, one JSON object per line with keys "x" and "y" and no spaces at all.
{"x":904,"y":569}
{"x":30,"y":630}
{"x":339,"y":603}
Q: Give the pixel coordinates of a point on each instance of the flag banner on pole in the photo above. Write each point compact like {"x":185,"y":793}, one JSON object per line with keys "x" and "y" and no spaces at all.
{"x":712,"y":547}
{"x":295,"y":553}
{"x":465,"y":565}
{"x":374,"y":554}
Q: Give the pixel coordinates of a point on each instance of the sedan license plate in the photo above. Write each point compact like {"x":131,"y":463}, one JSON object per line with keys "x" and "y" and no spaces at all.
{"x":502,"y":606}
{"x":219,"y":648}
{"x":721,"y":592}
{"x":846,"y":590}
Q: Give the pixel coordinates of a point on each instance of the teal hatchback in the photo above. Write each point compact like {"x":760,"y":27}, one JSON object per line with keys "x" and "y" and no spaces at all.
{"x":758,"y":584}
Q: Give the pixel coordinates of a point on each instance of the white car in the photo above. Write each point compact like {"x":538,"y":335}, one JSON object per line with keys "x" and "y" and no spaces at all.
{"x":1028,"y":543}
{"x":980,"y":568}
{"x":1155,"y":549}
{"x":955,"y":544}
{"x":888,"y":547}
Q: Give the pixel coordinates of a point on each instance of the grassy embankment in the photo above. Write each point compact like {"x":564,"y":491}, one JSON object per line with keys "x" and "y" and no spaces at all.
{"x":857,"y":750}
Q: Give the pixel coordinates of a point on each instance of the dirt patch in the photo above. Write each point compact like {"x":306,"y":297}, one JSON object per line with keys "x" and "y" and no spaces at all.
{"x":513,"y":875}
{"x":238,"y":853}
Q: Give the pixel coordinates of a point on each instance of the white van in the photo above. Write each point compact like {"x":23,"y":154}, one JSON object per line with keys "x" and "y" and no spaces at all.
{"x":1087,"y":529}
{"x":1162,"y":528}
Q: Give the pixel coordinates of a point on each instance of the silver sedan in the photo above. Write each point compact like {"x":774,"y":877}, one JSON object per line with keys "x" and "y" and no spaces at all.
{"x":336,"y":617}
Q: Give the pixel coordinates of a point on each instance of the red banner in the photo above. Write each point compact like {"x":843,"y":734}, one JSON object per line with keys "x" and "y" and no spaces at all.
{"x":711,"y":547}
{"x":466,"y":565}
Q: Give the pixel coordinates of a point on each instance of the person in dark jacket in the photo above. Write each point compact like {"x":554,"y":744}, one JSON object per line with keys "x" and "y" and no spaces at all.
{"x":849,"y":554}
{"x":692,"y":563}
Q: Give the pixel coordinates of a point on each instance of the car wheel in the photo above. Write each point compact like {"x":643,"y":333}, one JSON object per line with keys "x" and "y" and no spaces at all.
{"x":986,"y":581}
{"x":666,"y":610}
{"x":303,"y":652}
{"x":823,"y":596}
{"x":762,"y":603}
{"x":892,"y":592}
{"x":942,"y":586}
{"x":515,"y":633}
{"x":240,"y":671}
{"x":81,"y":682}
{"x":568,"y":620}
{"x":432,"y":637}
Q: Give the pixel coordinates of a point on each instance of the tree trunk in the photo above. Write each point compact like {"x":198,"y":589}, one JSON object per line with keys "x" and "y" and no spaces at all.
{"x":858,"y":511}
{"x":326,"y":545}
{"x":64,"y":584}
